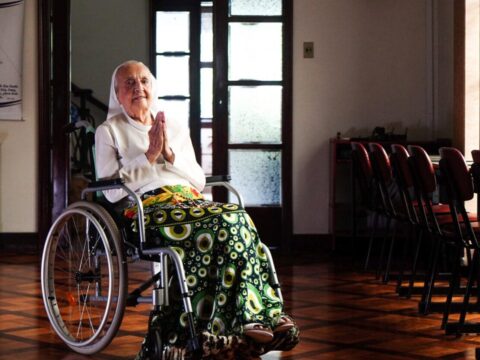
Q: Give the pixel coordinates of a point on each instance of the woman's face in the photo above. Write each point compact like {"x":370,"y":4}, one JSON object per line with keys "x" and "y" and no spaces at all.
{"x":134,"y":90}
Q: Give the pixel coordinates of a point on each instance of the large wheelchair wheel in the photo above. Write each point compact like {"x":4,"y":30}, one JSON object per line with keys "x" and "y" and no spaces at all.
{"x":84,"y":280}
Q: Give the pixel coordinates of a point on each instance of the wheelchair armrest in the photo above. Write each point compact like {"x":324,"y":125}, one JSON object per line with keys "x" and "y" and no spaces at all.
{"x":218,"y":178}
{"x":223,"y":180}
{"x":104,"y":183}
{"x":119,"y":183}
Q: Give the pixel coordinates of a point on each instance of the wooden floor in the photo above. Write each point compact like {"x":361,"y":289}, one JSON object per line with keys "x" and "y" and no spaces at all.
{"x":342,"y":314}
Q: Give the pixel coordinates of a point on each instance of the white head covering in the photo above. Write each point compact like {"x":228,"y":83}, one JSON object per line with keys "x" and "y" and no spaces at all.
{"x":114,"y":106}
{"x":174,"y":126}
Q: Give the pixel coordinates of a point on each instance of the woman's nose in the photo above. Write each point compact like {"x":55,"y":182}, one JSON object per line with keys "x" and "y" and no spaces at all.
{"x":137,"y":87}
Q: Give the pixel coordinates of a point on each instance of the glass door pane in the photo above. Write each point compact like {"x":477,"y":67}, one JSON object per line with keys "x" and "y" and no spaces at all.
{"x":206,"y":93}
{"x":255,"y":51}
{"x":173,"y":75}
{"x":256,"y":174}
{"x":172,"y":33}
{"x":173,"y":63}
{"x":206,"y":36}
{"x":257,"y":7}
{"x":206,"y":87}
{"x":255,"y":114}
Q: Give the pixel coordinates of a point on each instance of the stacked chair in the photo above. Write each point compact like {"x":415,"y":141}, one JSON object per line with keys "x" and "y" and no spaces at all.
{"x":364,"y":182}
{"x":453,"y":232}
{"x":377,"y":177}
{"x":460,"y":188}
{"x":394,"y":213}
{"x":425,"y":185}
{"x":404,"y":180}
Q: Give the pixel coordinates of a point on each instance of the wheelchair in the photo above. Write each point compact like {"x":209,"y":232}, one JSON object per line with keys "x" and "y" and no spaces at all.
{"x":84,"y":271}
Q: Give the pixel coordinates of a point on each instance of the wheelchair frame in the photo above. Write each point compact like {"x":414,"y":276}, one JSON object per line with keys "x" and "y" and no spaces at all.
{"x":106,"y":241}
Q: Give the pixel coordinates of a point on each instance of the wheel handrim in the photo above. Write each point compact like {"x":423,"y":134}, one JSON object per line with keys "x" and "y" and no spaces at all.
{"x":70,"y":277}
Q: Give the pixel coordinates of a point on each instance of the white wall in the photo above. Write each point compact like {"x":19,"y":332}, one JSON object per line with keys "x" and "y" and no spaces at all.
{"x":18,"y":162}
{"x":372,"y":67}
{"x":443,"y":58}
{"x":104,"y":34}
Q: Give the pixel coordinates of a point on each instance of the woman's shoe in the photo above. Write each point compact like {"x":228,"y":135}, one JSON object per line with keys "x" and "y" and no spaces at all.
{"x":284,"y":324}
{"x":258,"y":333}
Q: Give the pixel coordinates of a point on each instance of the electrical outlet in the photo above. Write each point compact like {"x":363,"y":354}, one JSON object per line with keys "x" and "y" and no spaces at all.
{"x":308,"y":49}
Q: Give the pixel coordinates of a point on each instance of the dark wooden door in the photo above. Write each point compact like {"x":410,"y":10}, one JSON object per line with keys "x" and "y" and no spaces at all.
{"x":252,"y":104}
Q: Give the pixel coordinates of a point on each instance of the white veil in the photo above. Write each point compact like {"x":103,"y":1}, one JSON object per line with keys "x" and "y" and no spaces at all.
{"x":174,"y":126}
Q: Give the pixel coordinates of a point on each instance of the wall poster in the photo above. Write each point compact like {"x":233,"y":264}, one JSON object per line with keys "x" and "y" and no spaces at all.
{"x":11,"y":46}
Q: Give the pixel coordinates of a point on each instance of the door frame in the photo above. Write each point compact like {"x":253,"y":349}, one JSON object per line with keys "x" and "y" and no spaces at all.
{"x":220,"y":121}
{"x":54,"y":110}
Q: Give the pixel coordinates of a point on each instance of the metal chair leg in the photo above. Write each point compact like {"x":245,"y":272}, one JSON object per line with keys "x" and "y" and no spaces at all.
{"x":454,"y":283}
{"x":401,"y":269}
{"x":382,"y":250}
{"x":411,"y":282}
{"x":386,"y":276}
{"x":466,"y":298}
{"x":430,"y":279}
{"x":372,"y":236}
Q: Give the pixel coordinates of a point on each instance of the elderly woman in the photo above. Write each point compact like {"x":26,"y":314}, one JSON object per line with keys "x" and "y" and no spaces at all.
{"x":226,"y":270}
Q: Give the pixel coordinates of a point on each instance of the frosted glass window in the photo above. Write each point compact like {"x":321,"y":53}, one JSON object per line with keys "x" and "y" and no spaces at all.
{"x":173,"y":75}
{"x":256,"y":7}
{"x":206,"y":38}
{"x":176,"y":110}
{"x":255,"y":51}
{"x":256,"y":174}
{"x":255,"y":114}
{"x":206,"y":140}
{"x":173,"y":31}
{"x":206,"y":93}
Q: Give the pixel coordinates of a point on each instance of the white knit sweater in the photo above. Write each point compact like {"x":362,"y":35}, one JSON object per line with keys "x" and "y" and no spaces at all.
{"x":120,"y":146}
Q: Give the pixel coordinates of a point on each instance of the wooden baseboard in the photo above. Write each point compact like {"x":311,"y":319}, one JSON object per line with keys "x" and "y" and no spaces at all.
{"x":313,"y":242}
{"x":327,"y":242}
{"x":27,"y":242}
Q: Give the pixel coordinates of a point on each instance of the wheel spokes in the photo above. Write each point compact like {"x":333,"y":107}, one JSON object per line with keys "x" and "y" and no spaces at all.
{"x":78,"y":241}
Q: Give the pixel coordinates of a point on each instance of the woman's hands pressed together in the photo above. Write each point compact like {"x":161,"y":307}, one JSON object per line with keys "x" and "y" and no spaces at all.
{"x":158,"y":138}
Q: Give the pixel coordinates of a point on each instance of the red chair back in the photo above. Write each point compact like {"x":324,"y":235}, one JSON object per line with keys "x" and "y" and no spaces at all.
{"x":423,"y":169}
{"x":460,"y":189}
{"x":362,"y":166}
{"x":383,"y":168}
{"x":400,"y":161}
{"x":453,"y":165}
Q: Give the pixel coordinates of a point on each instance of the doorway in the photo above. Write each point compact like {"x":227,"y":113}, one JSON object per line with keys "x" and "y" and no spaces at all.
{"x":234,"y":149}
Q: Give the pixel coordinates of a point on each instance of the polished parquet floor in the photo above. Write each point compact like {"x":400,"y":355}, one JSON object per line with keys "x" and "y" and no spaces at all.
{"x":342,"y":314}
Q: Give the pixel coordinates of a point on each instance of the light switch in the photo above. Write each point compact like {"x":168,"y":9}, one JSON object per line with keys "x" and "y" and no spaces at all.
{"x":308,"y":49}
